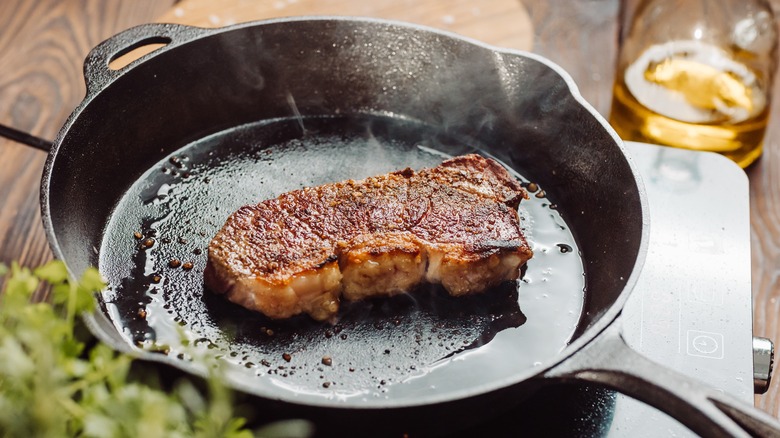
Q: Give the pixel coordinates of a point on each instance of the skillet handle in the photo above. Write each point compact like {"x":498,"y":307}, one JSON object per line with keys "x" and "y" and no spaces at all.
{"x":610,"y":362}
{"x":98,"y":74}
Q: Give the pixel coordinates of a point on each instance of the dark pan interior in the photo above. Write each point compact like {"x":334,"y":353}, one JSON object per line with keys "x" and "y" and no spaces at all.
{"x":513,"y":107}
{"x":179,"y":204}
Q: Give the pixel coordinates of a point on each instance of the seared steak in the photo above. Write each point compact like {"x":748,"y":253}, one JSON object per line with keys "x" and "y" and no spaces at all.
{"x":454,"y":224}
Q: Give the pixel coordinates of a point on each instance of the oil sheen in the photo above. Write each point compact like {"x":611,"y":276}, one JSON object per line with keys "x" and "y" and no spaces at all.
{"x":692,"y":95}
{"x":393,"y":347}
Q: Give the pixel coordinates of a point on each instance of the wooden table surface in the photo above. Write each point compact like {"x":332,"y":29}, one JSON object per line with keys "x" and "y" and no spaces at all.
{"x":43,"y":43}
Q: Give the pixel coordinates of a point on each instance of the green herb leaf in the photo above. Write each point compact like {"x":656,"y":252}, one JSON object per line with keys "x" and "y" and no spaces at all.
{"x":60,"y":293}
{"x":53,"y":272}
{"x":54,"y":384}
{"x":92,"y":281}
{"x":286,"y":428}
{"x":19,"y":287}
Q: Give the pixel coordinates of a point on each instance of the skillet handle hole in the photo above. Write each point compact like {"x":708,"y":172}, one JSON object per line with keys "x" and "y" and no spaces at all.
{"x":135,"y":51}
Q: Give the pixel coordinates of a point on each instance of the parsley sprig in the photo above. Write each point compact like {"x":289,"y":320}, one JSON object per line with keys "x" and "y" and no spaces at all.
{"x":57,"y":382}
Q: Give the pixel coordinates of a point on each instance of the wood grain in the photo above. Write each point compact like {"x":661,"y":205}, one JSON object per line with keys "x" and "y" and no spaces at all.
{"x":764,"y":178}
{"x":765,"y":244}
{"x":42,"y":46}
{"x":43,"y":43}
{"x":499,"y":22}
{"x":586,"y":51}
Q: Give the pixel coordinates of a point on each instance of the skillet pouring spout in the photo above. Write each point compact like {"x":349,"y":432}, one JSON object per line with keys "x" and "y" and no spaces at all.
{"x":608,"y":361}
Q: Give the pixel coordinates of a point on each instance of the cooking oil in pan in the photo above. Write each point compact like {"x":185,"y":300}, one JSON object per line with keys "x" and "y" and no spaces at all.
{"x":154,"y":254}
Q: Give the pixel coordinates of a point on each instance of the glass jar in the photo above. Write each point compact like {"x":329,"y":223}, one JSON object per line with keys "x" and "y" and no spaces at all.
{"x":697,"y":74}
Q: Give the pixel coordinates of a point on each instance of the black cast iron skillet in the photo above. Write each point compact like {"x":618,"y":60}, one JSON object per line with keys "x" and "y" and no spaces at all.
{"x":292,"y":102}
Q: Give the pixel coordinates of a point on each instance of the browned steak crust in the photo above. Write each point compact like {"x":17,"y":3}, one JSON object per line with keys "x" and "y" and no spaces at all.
{"x":454,"y":224}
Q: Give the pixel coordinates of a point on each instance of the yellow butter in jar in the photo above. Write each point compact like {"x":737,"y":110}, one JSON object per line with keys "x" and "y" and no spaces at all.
{"x":697,"y":75}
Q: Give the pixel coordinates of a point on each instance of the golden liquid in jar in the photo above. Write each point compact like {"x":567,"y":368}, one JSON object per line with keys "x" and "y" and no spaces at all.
{"x":693,"y":96}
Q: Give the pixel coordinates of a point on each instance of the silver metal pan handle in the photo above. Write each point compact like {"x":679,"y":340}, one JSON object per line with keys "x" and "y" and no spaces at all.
{"x":610,"y":362}
{"x":763,"y":360}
